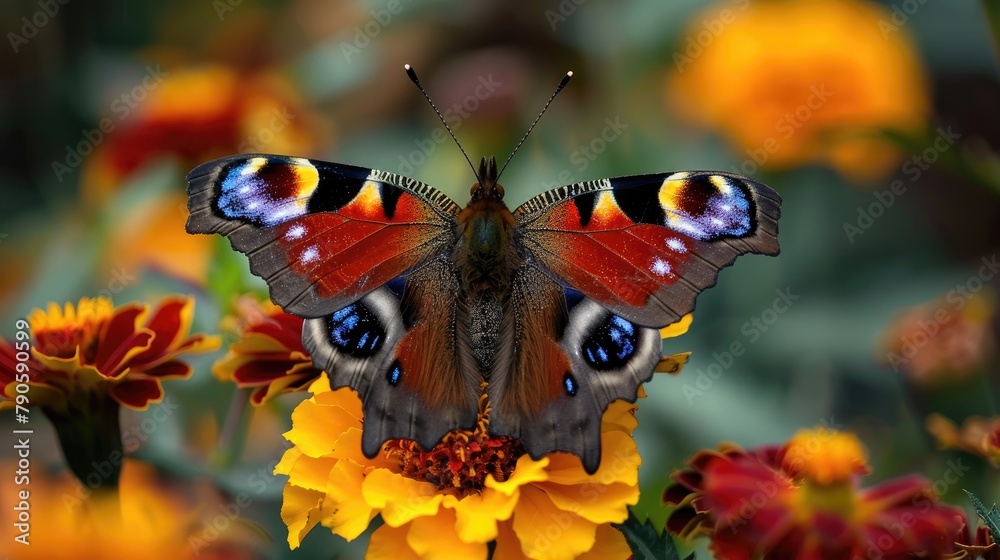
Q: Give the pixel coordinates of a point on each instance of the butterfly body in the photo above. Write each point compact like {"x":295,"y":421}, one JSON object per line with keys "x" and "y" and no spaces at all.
{"x":416,"y":303}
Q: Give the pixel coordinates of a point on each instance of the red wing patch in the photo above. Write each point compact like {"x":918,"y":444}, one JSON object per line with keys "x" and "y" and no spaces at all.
{"x":321,"y":234}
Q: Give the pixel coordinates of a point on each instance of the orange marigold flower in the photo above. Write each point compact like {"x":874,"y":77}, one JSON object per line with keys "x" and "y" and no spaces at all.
{"x":269,"y":355}
{"x":89,"y":359}
{"x":145,"y":519}
{"x":799,"y":81}
{"x":94,"y":348}
{"x":942,"y":342}
{"x":803,"y":500}
{"x":979,"y":436}
{"x":470,"y":490}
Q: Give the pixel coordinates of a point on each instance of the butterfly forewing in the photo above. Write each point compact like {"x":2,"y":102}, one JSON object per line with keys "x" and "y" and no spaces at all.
{"x":321,"y":234}
{"x":645,"y":246}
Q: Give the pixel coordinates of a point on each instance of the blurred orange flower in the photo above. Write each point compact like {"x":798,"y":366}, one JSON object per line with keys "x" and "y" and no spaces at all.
{"x":794,"y":82}
{"x":189,"y":115}
{"x":144,"y":520}
{"x":94,"y":350}
{"x":803,"y":500}
{"x":942,"y":342}
{"x":269,"y":355}
{"x":979,"y":436}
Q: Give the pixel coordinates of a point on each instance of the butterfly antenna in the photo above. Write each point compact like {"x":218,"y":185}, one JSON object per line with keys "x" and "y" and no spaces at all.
{"x":413,"y":78}
{"x":562,"y":84}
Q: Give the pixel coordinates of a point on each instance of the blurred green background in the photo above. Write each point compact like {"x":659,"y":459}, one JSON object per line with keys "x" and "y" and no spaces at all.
{"x":88,"y":210}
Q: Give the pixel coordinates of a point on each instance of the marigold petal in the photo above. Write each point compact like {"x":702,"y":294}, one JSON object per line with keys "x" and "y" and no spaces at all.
{"x":316,"y":428}
{"x":344,"y":397}
{"x":288,"y":459}
{"x":389,"y":543}
{"x":350,"y":515}
{"x":170,"y":321}
{"x":547,"y":532}
{"x":619,"y":463}
{"x":348,"y":447}
{"x":595,"y":502}
{"x":298,"y":510}
{"x":401,"y":499}
{"x":620,"y":415}
{"x":310,"y":473}
{"x":672,"y":364}
{"x":434,"y":537}
{"x":610,"y":545}
{"x":170,"y":370}
{"x":526,"y":471}
{"x":508,"y":546}
{"x":477,"y":514}
{"x":137,"y":393}
{"x":121,"y":338}
{"x":678,"y":328}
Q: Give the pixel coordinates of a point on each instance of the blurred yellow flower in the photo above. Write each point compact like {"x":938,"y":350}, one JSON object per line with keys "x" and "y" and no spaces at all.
{"x":470,"y":490}
{"x":144,"y":520}
{"x":795,"y":82}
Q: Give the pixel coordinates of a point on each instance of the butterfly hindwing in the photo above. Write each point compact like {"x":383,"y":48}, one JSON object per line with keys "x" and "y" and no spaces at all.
{"x":321,"y":234}
{"x":645,"y":246}
{"x":401,"y":353}
{"x":572,"y":357}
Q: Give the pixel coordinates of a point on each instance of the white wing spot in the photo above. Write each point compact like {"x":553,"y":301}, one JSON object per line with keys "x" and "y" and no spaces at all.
{"x":660,"y":267}
{"x":295,"y":232}
{"x":676,"y":245}
{"x":309,"y":255}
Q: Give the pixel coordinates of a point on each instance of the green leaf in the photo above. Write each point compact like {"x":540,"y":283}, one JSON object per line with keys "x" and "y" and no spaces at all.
{"x":648,"y":543}
{"x":990,"y":517}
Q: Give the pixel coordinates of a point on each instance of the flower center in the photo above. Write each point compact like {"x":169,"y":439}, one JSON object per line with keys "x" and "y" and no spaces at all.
{"x":462,"y":459}
{"x":59,"y":333}
{"x":824,"y":456}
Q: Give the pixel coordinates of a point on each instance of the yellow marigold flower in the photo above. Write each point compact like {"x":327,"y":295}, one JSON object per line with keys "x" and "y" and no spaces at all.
{"x":145,"y":519}
{"x":468,"y":491}
{"x":269,"y":356}
{"x":800,"y":81}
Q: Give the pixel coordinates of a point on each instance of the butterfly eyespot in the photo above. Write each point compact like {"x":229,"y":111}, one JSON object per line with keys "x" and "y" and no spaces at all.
{"x":611,"y":344}
{"x":356,"y":331}
{"x":569,"y":384}
{"x":395,"y":374}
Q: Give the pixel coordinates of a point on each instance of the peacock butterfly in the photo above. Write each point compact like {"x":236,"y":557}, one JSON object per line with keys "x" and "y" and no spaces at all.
{"x":414,"y":302}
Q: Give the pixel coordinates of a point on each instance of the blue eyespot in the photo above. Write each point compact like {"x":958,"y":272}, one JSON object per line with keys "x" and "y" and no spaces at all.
{"x":395,"y":374}
{"x":611,"y":344}
{"x":569,"y":384}
{"x":356,"y":331}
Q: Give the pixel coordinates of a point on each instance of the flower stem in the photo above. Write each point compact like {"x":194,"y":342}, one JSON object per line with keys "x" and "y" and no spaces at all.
{"x":91,"y":440}
{"x":233,"y":436}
